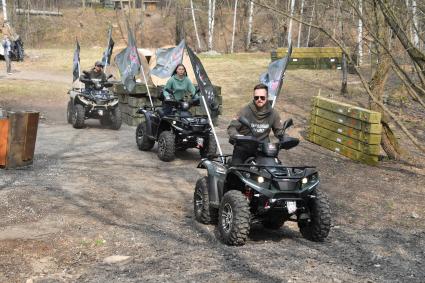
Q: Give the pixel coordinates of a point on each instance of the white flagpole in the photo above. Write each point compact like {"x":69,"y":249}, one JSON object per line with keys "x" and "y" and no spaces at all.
{"x":144,"y":77}
{"x":212,"y":128}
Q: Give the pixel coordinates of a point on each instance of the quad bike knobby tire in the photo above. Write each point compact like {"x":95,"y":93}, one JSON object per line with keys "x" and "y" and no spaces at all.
{"x":142,"y":140}
{"x":317,"y":227}
{"x":201,"y":203}
{"x":69,"y":112}
{"x":274,"y":222}
{"x":166,"y":146}
{"x":105,"y":120}
{"x":234,"y":218}
{"x":210,"y":147}
{"x":116,"y":119}
{"x":78,"y":115}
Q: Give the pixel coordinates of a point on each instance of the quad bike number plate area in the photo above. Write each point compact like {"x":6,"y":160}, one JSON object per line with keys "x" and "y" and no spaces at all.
{"x":291,"y":206}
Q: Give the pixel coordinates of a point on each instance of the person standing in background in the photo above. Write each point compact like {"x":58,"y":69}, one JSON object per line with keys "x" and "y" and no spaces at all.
{"x":7,"y":48}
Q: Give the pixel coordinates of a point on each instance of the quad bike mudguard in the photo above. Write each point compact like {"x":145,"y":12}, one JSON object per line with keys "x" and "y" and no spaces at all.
{"x":151,"y":121}
{"x":216,"y":178}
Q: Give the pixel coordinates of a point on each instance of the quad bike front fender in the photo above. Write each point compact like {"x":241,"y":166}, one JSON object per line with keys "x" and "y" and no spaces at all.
{"x":148,"y":119}
{"x":215,"y":181}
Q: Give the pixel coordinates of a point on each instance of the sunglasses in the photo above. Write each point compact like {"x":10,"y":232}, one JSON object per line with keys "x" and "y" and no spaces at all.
{"x":259,"y":97}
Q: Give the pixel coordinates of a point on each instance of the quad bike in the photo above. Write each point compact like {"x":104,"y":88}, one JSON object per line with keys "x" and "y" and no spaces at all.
{"x":175,"y":129}
{"x":94,"y":101}
{"x":261,"y":190}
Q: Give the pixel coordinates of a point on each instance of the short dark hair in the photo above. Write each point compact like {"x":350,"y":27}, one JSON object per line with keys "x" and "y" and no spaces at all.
{"x":261,"y":86}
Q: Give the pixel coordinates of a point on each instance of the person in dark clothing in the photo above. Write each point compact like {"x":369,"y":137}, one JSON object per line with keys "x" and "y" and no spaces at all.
{"x":262,"y":117}
{"x":94,"y":76}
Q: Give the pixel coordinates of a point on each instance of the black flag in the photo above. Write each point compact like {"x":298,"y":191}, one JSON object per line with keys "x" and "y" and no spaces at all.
{"x":128,"y":63}
{"x":106,"y":59}
{"x":76,"y":63}
{"x":204,"y":83}
{"x":167,"y":60}
{"x":274,"y":76}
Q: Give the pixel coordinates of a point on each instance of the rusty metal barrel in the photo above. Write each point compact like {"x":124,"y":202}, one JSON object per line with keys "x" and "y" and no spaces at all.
{"x":18,"y":134}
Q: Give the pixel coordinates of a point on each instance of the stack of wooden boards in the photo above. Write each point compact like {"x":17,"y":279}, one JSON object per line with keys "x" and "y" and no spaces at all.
{"x":18,"y":133}
{"x":130,"y":103}
{"x":349,"y":130}
{"x":311,"y":57}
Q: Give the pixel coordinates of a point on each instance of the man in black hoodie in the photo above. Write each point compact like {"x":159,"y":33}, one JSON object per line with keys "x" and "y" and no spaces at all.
{"x":262,"y":117}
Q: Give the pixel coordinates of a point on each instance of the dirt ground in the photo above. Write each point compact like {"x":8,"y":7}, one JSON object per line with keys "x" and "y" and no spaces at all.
{"x":91,"y":194}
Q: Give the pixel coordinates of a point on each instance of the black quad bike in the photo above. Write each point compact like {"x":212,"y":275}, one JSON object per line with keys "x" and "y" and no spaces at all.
{"x":95,"y":101}
{"x":175,"y":129}
{"x":261,"y":190}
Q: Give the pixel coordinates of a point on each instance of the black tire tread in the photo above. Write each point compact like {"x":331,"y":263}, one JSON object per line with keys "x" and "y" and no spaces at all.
{"x":208,"y":215}
{"x":318,"y":228}
{"x":169,"y":153}
{"x":241,"y":218}
{"x":210,"y":149}
{"x":78,"y":122}
{"x":146,"y":143}
{"x":116,"y":118}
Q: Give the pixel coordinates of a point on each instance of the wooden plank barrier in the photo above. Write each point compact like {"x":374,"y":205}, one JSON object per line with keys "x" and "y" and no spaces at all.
{"x":352,"y":131}
{"x":311,"y":57}
{"x":130,"y":103}
{"x":18,"y":134}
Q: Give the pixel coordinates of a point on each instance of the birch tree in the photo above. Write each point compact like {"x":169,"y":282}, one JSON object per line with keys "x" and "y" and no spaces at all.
{"x":290,"y":21}
{"x":194,"y":25}
{"x":211,"y":16}
{"x":300,"y":23}
{"x":360,"y":34}
{"x":234,"y":26}
{"x":250,"y":19}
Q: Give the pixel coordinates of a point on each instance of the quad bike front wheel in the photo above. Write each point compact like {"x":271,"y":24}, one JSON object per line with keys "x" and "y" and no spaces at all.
{"x":234,"y":218}
{"x":166,"y":146}
{"x":201,"y":203}
{"x":142,"y":140}
{"x":105,"y":120}
{"x":317,"y":227}
{"x":209,"y":148}
{"x":69,"y":112}
{"x":116,"y":119}
{"x":78,"y":116}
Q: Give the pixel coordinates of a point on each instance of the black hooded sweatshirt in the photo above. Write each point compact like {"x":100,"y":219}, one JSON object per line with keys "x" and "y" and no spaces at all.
{"x":262,"y":121}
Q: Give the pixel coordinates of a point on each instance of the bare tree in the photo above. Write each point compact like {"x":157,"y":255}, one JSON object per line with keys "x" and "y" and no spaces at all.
{"x":300,"y":24}
{"x":234,"y":26}
{"x":194,"y":25}
{"x":250,"y":19}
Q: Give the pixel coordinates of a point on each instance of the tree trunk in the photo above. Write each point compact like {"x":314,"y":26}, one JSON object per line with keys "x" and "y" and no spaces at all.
{"x":180,"y":31}
{"x":290,"y":21}
{"x":251,"y":13}
{"x":194,"y":25}
{"x":377,"y":84}
{"x":300,"y":24}
{"x":360,"y":35}
{"x":309,"y":26}
{"x":234,"y":26}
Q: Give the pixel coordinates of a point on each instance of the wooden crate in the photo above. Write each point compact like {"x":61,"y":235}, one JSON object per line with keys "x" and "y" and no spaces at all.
{"x":349,"y":130}
{"x":18,"y":134}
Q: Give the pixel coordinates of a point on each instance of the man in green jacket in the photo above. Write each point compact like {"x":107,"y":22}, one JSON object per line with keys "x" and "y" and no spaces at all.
{"x":262,"y":117}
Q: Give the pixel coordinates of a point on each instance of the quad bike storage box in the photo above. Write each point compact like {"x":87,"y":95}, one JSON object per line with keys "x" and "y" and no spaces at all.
{"x":18,"y":134}
{"x":131,"y":102}
{"x":352,"y":131}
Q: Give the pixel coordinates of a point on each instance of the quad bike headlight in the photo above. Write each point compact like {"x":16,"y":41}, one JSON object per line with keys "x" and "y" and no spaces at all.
{"x":260,"y":179}
{"x":304,"y":180}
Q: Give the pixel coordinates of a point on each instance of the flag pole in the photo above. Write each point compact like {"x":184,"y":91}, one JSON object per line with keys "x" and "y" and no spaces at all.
{"x":144,"y":77}
{"x":107,"y":48}
{"x":212,"y":128}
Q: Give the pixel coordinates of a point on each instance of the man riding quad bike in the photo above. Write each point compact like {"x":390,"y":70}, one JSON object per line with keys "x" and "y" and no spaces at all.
{"x":254,"y":186}
{"x":94,"y":101}
{"x":175,"y":129}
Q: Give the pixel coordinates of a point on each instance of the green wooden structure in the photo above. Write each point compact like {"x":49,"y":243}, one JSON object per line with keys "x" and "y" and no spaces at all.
{"x":352,"y":131}
{"x":130,"y":103}
{"x":311,"y":57}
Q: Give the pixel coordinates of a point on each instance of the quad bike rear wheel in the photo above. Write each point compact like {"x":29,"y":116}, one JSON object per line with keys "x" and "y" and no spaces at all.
{"x":209,"y":148}
{"x":69,"y":112}
{"x":317,"y":227}
{"x":166,"y":146}
{"x":142,"y":140}
{"x":78,"y":116}
{"x":204,"y":213}
{"x":116,"y":119}
{"x":234,"y":218}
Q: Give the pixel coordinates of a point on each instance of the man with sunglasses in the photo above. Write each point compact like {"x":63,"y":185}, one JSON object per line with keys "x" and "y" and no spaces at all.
{"x":262,"y":117}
